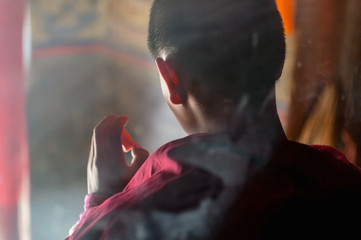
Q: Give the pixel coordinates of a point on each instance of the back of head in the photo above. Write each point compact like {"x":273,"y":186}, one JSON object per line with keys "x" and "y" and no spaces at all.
{"x":228,"y":47}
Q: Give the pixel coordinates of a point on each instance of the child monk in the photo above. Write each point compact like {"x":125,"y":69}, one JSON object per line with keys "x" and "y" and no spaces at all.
{"x":236,"y":176}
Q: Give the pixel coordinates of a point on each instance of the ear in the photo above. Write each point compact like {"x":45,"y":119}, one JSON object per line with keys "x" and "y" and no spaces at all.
{"x":171,"y":81}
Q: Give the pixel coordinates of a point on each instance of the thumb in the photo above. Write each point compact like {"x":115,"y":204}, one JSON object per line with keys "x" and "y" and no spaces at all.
{"x":139,"y":156}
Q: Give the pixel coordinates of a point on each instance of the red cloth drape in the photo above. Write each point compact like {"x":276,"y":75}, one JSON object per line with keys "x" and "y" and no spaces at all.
{"x":14,"y":178}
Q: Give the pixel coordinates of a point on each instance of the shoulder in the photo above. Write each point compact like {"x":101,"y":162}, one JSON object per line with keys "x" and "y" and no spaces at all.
{"x":159,"y":163}
{"x":161,"y":159}
{"x":323,"y":165}
{"x":333,"y":160}
{"x":329,"y":152}
{"x":179,"y":142}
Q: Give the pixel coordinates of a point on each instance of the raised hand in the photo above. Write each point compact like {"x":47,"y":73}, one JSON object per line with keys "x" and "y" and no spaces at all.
{"x":108,"y":172}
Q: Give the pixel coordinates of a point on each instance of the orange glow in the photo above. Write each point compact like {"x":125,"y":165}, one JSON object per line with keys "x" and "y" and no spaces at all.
{"x":127,"y":141}
{"x":287,"y":10}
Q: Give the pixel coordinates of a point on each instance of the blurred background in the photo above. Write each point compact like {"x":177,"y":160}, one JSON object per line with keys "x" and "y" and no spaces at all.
{"x":65,"y":64}
{"x":89,"y":60}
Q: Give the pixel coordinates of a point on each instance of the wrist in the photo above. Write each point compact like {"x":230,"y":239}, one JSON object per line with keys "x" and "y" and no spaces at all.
{"x":94,"y":199}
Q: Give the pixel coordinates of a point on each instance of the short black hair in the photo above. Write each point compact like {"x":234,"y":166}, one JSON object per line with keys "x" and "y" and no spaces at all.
{"x":228,"y":46}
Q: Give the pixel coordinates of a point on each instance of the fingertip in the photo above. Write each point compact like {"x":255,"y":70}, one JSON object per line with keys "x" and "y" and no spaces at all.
{"x":138,"y":151}
{"x":120,"y":123}
{"x":124,"y":119}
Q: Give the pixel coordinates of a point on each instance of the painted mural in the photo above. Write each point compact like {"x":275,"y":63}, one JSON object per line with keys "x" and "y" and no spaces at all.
{"x":117,"y":24}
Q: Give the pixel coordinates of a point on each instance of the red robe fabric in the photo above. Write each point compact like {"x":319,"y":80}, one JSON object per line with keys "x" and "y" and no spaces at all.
{"x":295,"y":171}
{"x":156,"y":172}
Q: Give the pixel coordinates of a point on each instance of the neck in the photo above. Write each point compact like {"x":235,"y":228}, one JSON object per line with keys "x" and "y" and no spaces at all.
{"x":242,"y":119}
{"x":213,"y":119}
{"x":261,"y":121}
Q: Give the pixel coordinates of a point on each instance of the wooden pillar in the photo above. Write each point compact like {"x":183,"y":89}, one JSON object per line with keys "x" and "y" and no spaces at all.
{"x":14,"y":170}
{"x":350,"y":71}
{"x":318,"y":36}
